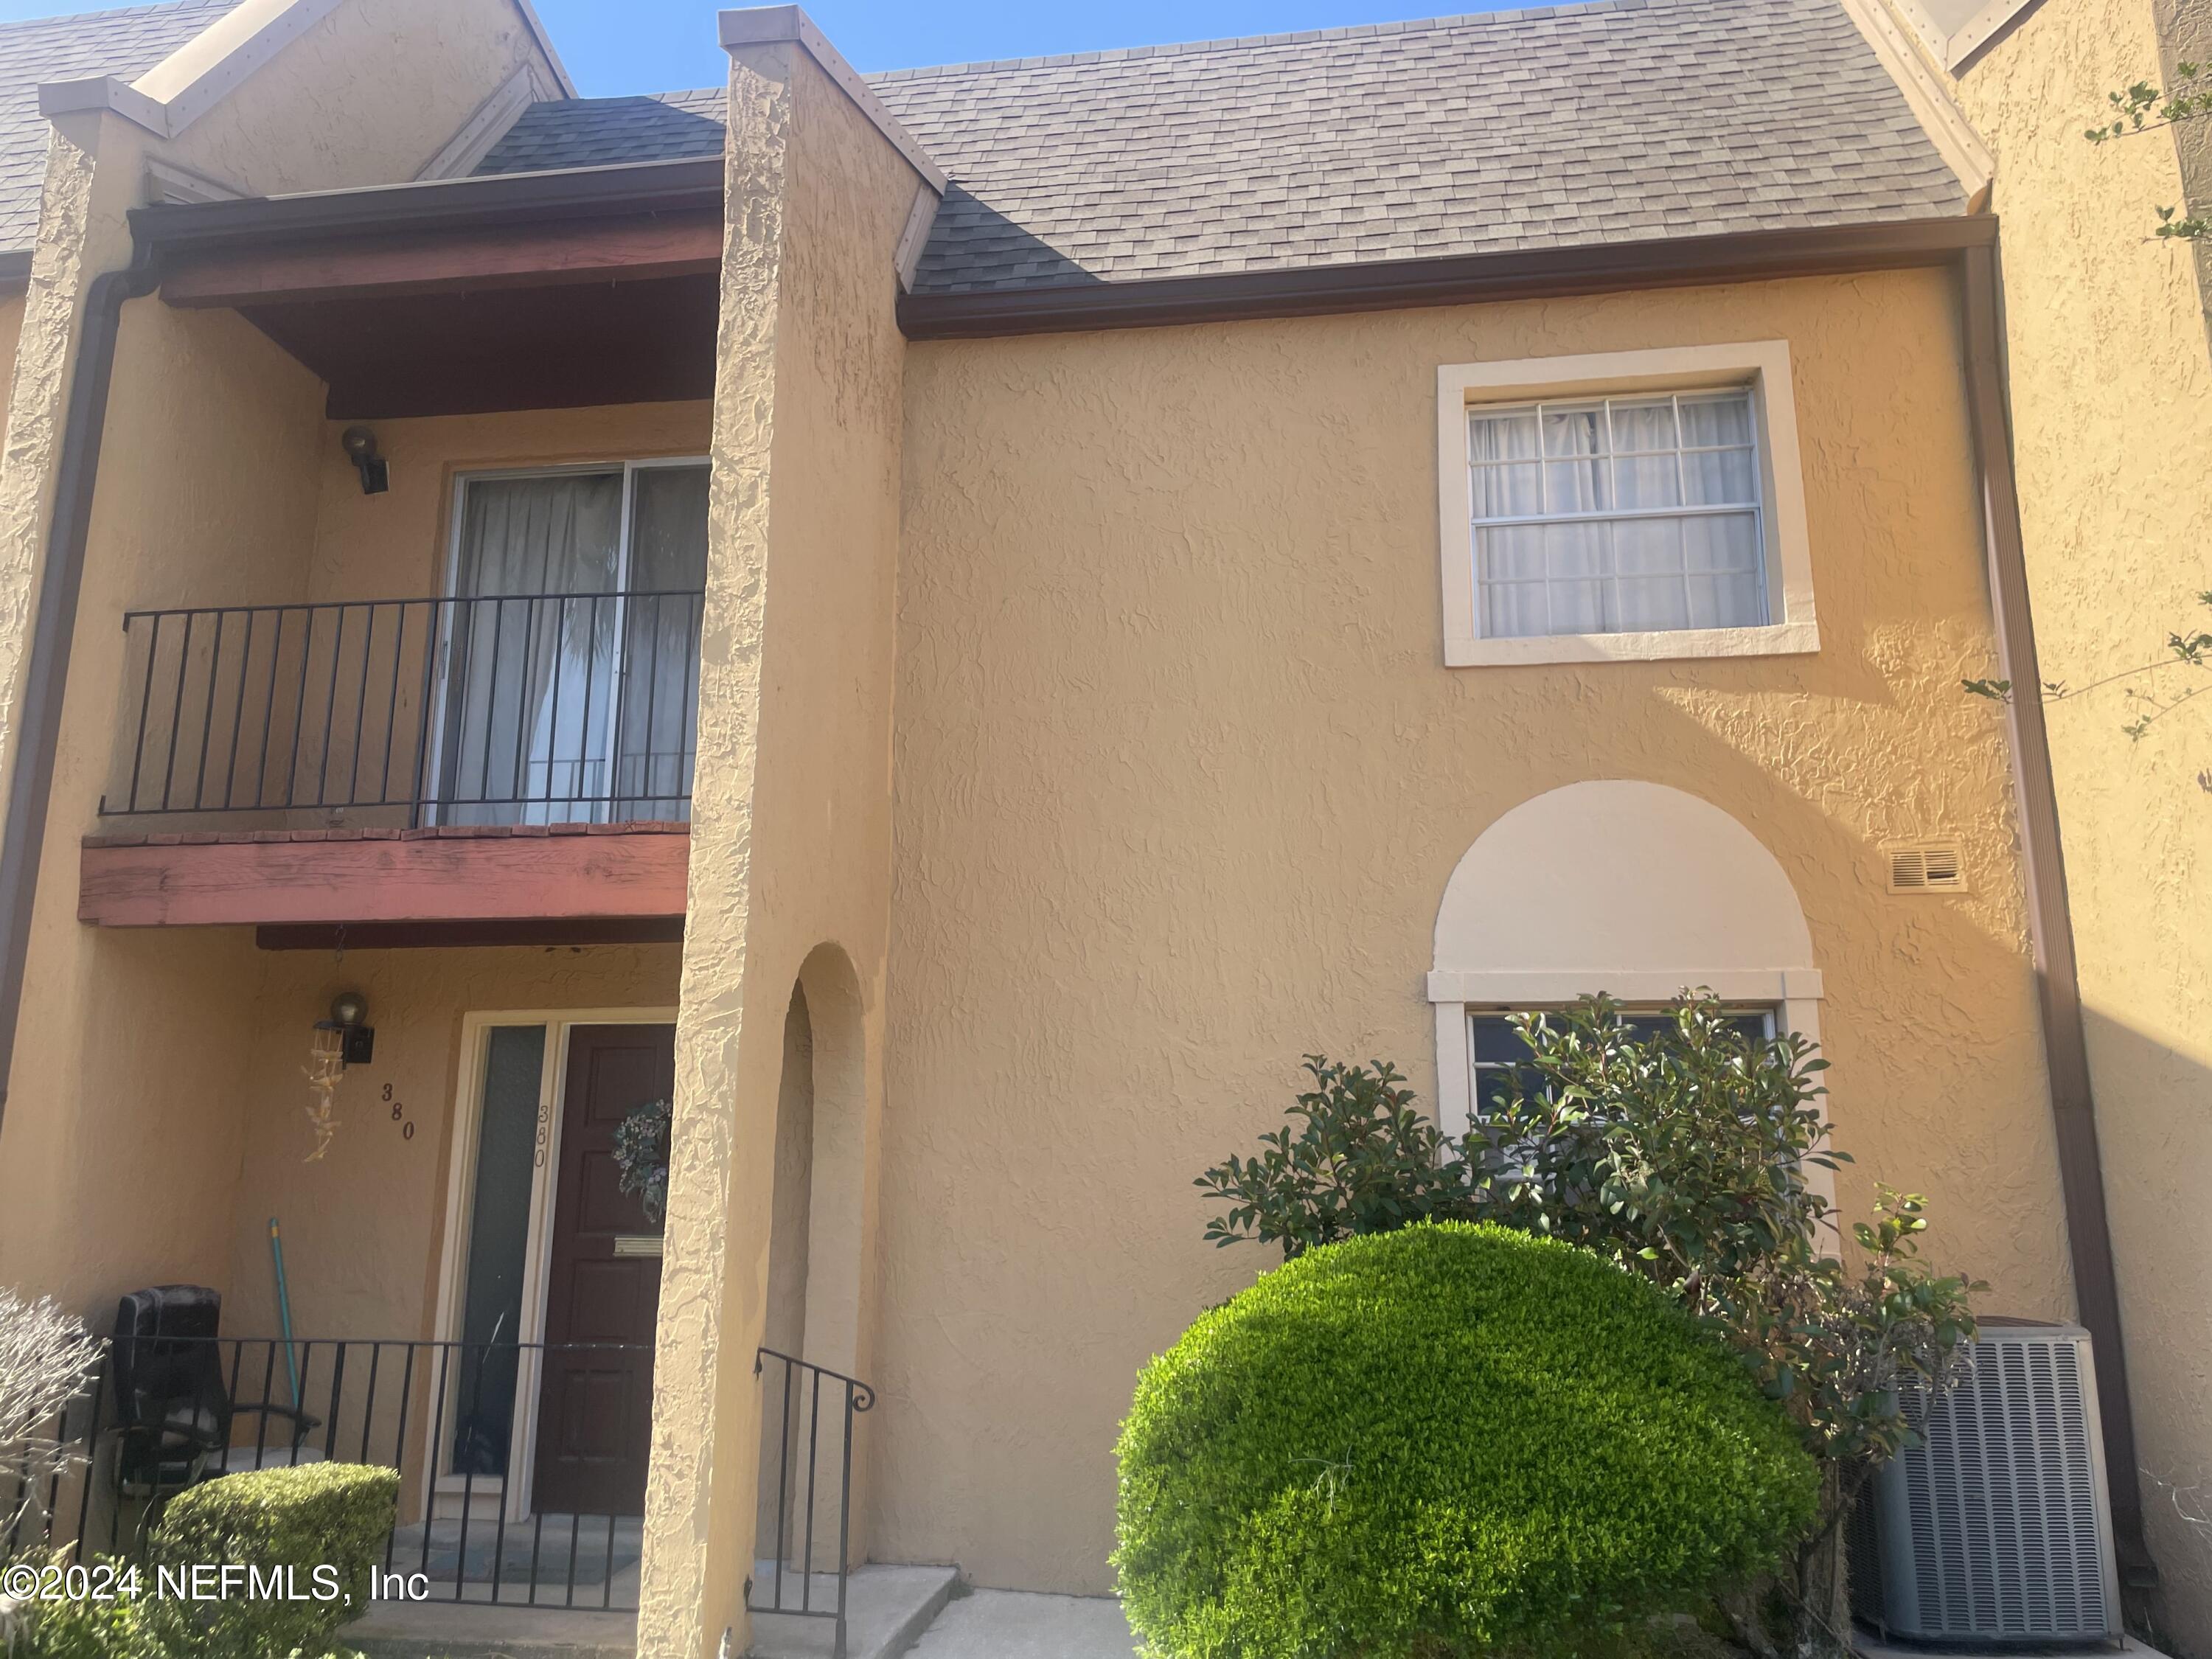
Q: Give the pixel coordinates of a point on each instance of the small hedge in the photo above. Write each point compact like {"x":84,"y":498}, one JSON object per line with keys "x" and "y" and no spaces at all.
{"x":1445,"y":1440}
{"x":320,"y":1514}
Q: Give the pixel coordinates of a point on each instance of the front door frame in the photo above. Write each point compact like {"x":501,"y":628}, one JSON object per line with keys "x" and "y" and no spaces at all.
{"x":452,"y":1267}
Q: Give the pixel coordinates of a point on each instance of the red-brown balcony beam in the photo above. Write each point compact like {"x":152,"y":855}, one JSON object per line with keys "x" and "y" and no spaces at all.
{"x":565,"y":884}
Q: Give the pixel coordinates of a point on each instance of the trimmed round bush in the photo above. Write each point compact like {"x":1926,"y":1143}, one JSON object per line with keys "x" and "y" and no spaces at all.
{"x":1444,"y":1441}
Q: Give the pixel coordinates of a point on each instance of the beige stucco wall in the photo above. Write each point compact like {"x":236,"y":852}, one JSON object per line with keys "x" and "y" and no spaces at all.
{"x":11,"y":325}
{"x":122,"y":1133}
{"x":2111,"y":399}
{"x":124,"y":1166}
{"x":397,"y":544}
{"x":791,"y":851}
{"x":365,"y":1227}
{"x":1180,"y":781}
{"x":366,"y":96}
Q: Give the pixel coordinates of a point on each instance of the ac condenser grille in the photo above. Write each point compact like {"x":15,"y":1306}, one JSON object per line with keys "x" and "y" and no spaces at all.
{"x":2002,"y":1502}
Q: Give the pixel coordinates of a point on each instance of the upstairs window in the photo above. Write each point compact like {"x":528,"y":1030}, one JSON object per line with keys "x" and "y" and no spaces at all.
{"x":1626,"y":505}
{"x":1618,"y":515}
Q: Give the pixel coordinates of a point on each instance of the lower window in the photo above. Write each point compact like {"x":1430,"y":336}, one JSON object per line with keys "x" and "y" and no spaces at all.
{"x":1497,"y":1052}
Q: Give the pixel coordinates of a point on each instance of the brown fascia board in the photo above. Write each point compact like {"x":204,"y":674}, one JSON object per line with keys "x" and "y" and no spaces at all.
{"x":1541,"y":273}
{"x":514,"y":198}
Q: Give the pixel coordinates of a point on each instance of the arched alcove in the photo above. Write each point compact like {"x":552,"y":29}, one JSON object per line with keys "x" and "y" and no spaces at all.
{"x":1635,"y":890}
{"x":820,"y":1266}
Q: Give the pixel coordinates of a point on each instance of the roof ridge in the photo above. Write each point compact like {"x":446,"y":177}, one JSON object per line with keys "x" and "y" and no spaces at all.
{"x":1299,"y":37}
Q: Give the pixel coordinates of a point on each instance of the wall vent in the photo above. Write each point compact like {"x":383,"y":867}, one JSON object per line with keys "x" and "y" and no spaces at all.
{"x":1925,"y":869}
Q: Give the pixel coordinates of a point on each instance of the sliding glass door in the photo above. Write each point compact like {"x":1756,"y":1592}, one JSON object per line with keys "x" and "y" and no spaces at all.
{"x":572,"y":645}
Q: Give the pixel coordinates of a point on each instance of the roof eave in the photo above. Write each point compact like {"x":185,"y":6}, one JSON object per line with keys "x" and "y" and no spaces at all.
{"x":1541,"y":273}
{"x":644,"y":187}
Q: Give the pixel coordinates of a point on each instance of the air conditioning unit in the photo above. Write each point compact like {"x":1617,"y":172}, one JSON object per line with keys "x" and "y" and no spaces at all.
{"x":1996,"y":1528}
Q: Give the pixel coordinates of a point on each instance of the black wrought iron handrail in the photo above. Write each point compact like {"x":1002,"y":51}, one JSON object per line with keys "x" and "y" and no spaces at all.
{"x":490,"y":708}
{"x":802,"y":1391}
{"x":393,"y":1403}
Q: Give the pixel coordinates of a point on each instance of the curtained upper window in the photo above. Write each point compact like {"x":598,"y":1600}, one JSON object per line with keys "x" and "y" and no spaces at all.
{"x":1618,"y":515}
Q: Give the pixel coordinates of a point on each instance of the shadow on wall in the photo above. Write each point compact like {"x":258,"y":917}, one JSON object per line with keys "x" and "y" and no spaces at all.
{"x":2157,"y":1165}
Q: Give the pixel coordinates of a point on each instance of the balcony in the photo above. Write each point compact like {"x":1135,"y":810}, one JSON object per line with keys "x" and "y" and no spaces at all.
{"x":510,"y":768}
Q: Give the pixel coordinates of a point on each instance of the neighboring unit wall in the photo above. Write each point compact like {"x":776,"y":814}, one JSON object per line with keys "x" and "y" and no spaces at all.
{"x":2112,"y":403}
{"x":791,"y":850}
{"x":365,"y":97}
{"x":1180,"y":781}
{"x":122,"y":1141}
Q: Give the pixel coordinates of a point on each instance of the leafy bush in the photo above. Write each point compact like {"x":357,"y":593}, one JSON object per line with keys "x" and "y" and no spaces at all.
{"x":1444,"y":1441}
{"x":1682,"y":1154}
{"x":330,"y":1515}
{"x":32,"y":1628}
{"x":1363,"y":1160}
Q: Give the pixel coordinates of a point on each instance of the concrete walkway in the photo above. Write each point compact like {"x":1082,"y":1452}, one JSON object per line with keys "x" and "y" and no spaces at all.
{"x":1014,"y":1625}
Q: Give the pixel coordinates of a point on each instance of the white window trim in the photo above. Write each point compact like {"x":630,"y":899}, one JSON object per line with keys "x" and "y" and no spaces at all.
{"x":1794,"y":994}
{"x":1761,"y":365}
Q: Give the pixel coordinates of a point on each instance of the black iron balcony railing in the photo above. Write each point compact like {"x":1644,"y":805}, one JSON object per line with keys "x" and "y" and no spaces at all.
{"x":504,"y":709}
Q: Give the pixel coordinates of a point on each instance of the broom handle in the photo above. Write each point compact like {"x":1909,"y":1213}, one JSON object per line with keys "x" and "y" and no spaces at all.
{"x":284,"y":1310}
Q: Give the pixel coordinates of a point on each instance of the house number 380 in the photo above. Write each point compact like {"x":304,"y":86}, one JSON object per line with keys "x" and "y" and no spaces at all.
{"x":399,"y":1115}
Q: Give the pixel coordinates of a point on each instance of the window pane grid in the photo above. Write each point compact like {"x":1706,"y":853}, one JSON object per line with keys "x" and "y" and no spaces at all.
{"x":1497,"y":1053}
{"x":1617,"y":514}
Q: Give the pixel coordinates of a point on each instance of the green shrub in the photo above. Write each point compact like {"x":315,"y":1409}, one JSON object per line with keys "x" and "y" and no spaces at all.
{"x":1449,"y":1440}
{"x":62,"y":1628}
{"x":321,"y":1515}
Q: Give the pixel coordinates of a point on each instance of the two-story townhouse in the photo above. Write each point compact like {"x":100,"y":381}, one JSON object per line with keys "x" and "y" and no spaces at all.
{"x":953,"y":623}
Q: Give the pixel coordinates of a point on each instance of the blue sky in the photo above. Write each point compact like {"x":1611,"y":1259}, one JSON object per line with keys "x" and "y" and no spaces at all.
{"x":614,"y":46}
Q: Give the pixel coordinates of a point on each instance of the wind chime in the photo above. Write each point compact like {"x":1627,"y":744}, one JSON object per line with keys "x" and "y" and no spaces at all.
{"x":344,"y":1039}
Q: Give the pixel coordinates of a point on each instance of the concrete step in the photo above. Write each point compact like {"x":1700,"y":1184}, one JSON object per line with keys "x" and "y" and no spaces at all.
{"x":885,"y":1609}
{"x":1016,"y":1625}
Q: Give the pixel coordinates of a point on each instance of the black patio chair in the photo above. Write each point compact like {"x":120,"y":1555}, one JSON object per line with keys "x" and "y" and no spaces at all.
{"x":173,"y":1409}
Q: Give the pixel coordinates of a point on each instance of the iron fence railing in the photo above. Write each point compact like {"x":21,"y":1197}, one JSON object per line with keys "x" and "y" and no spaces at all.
{"x":482,"y":1518}
{"x":475,"y":1431}
{"x":799,"y":1476}
{"x":502,"y":709}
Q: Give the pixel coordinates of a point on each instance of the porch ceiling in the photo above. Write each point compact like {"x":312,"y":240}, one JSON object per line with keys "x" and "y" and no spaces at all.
{"x":303,"y":888}
{"x":469,"y":296}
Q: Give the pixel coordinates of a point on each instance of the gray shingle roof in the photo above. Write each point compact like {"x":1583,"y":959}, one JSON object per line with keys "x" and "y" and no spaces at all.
{"x":1617,"y":120}
{"x":125,"y":43}
{"x":669,"y":126}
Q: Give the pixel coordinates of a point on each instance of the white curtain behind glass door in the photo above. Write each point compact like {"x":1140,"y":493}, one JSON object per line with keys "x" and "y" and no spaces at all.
{"x":531,"y":689}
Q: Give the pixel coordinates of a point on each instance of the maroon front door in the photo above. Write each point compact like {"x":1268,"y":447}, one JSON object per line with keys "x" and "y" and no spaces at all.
{"x":595,"y":1409}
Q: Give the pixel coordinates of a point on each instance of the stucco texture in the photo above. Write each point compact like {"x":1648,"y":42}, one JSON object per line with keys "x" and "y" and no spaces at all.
{"x":122,"y":1133}
{"x":1180,"y":781}
{"x":11,"y":325}
{"x":2111,"y":389}
{"x":790,"y":850}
